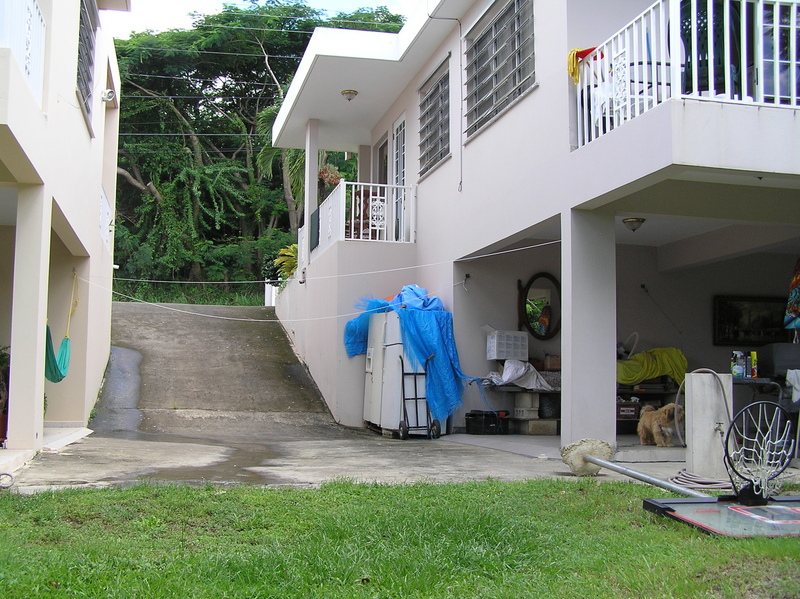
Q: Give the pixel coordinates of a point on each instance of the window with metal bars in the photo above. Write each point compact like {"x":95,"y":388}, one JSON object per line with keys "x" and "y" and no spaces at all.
{"x":500,"y":62}
{"x":86,"y":51}
{"x":434,"y":119}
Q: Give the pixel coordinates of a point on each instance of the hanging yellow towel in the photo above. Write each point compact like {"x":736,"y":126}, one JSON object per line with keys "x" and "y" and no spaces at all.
{"x":651,"y":364}
{"x":572,"y":65}
{"x":573,"y":59}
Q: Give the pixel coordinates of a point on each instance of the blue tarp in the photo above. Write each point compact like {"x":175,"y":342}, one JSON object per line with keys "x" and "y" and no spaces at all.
{"x":427,"y":331}
{"x":356,"y":331}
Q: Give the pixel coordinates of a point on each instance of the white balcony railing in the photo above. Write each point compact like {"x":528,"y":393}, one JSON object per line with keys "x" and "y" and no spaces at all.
{"x":22,"y":29}
{"x":364,"y":212}
{"x":716,"y":50}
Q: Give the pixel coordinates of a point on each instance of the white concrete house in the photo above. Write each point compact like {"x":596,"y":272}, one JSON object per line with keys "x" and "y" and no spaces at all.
{"x":59,"y":118}
{"x":484,"y":162}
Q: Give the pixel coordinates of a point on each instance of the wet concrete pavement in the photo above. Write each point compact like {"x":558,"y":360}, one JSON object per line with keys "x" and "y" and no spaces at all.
{"x":198,"y":394}
{"x":216,"y":394}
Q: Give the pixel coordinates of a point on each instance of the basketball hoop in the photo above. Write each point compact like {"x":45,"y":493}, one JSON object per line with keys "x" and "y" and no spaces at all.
{"x":758,"y":448}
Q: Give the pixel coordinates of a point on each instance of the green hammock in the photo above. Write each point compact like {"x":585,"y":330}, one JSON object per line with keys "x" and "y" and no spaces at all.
{"x":56,"y":365}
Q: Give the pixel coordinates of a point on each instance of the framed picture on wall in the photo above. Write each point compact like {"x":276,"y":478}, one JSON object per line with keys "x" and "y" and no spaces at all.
{"x":749,"y":321}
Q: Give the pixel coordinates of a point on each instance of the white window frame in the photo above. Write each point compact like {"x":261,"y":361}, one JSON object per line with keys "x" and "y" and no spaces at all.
{"x":434,"y":118}
{"x":500,"y":61}
{"x":399,"y":161}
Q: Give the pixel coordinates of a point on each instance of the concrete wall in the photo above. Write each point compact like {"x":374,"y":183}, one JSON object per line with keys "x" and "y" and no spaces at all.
{"x":314,"y":315}
{"x":59,"y":237}
{"x":6,"y":278}
{"x":678,"y":311}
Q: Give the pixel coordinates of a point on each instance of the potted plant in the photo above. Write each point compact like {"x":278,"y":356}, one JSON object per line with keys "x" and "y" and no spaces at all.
{"x":5,"y":362}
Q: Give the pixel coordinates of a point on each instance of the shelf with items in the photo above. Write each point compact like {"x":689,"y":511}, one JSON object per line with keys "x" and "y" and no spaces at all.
{"x":536,"y":413}
{"x":630,"y":399}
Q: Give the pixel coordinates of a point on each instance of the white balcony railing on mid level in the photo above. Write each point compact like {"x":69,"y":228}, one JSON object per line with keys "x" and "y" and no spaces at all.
{"x":22,"y":29}
{"x":716,"y":50}
{"x":364,"y":212}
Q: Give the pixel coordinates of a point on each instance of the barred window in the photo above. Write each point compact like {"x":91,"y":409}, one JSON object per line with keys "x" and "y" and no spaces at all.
{"x":500,"y":64}
{"x":86,"y":51}
{"x":434,"y":119}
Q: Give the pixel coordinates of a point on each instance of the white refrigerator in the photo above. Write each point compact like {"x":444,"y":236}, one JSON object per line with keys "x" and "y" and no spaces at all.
{"x":394,"y":400}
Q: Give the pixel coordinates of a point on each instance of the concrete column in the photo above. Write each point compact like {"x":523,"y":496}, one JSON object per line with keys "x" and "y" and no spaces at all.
{"x":589,"y":326}
{"x":29,"y":318}
{"x":312,"y":174}
{"x":708,"y":404}
{"x":364,"y":164}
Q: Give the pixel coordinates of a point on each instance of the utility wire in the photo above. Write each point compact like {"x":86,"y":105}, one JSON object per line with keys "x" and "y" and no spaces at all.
{"x":219,"y":80}
{"x":216,"y":317}
{"x":360,"y":274}
{"x":209,"y":97}
{"x":271,"y":56}
{"x":190,"y":134}
{"x":247,"y":13}
{"x":199,"y":25}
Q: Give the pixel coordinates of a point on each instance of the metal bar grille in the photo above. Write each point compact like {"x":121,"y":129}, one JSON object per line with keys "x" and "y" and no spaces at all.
{"x":500,"y":63}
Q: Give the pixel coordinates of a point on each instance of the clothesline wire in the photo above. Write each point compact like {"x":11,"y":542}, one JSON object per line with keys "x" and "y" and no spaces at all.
{"x":356,"y":274}
{"x":216,"y":317}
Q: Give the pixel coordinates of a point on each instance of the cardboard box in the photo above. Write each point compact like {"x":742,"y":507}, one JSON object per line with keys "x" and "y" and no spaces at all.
{"x":627,"y":410}
{"x":552,"y":362}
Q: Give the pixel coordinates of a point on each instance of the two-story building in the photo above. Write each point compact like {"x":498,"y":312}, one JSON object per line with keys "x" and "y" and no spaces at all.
{"x":59,"y":117}
{"x":649,"y":173}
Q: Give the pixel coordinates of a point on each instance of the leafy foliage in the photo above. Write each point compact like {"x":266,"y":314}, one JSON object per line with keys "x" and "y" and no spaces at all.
{"x":202,"y":194}
{"x":287,"y":261}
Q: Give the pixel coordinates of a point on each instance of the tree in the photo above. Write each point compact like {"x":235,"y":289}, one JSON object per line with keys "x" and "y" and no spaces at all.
{"x":198,"y":195}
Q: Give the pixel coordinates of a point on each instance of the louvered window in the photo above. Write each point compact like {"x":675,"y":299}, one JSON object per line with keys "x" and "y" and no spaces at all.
{"x":86,"y":52}
{"x":434,"y":119}
{"x":500,"y":65}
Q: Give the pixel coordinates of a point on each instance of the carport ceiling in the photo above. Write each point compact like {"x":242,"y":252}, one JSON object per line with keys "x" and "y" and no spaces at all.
{"x":344,"y":125}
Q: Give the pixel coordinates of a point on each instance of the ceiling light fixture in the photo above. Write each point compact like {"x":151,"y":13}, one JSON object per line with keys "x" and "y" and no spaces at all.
{"x":349,"y":94}
{"x":632,"y":223}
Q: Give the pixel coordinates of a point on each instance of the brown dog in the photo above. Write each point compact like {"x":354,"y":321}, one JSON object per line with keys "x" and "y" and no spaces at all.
{"x":658,"y":427}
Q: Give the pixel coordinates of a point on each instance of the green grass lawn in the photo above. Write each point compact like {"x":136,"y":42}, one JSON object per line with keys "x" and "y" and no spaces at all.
{"x":540,"y":538}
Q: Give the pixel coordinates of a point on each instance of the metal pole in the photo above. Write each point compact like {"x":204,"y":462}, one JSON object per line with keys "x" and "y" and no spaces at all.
{"x":656,"y":482}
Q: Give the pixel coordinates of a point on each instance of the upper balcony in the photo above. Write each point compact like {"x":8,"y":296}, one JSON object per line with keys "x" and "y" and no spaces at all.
{"x":363,"y":212}
{"x":732,"y":51}
{"x":22,"y":29}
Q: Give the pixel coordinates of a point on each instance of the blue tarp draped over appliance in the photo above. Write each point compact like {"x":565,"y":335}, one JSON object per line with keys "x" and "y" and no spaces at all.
{"x":427,"y":331}
{"x":356,"y":331}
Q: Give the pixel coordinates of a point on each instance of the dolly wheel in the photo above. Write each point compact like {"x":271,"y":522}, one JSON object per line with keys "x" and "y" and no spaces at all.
{"x":403,"y":430}
{"x":436,"y":429}
{"x":6,"y":480}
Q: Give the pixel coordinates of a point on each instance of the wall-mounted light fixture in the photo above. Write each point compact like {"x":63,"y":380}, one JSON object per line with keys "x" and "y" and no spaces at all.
{"x":349,"y":94}
{"x":108,"y":95}
{"x":632,"y":223}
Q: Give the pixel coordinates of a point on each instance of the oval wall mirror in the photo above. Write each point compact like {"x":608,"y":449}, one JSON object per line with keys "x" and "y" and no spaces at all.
{"x":540,"y":305}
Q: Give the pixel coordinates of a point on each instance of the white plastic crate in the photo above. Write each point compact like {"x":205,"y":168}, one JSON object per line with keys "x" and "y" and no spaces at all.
{"x":507,"y":345}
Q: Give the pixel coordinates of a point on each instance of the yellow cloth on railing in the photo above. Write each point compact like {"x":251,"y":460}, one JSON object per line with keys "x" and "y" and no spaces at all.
{"x":651,"y":364}
{"x":573,"y":58}
{"x":572,"y":65}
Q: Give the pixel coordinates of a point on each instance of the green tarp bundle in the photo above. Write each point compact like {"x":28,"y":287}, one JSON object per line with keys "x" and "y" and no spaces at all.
{"x":56,"y":365}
